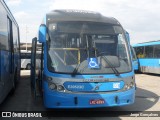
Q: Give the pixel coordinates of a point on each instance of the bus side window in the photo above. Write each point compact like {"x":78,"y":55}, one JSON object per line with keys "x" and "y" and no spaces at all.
{"x":157,"y":51}
{"x":140,"y":52}
{"x":148,"y":51}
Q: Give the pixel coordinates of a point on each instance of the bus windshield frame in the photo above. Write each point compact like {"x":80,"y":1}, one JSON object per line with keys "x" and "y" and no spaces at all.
{"x":72,"y":43}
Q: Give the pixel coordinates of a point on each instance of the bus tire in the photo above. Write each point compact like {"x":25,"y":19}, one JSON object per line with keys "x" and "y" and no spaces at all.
{"x":28,"y":66}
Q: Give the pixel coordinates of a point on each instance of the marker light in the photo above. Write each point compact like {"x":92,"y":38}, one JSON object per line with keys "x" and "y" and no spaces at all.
{"x":49,"y":78}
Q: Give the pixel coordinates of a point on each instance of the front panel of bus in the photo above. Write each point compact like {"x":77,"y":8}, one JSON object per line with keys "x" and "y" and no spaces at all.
{"x":87,"y":64}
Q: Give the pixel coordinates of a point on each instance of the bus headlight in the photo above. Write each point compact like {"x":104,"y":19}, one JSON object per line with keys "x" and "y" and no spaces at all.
{"x":126,"y":87}
{"x":52,"y":86}
{"x":60,"y":88}
{"x":129,"y":86}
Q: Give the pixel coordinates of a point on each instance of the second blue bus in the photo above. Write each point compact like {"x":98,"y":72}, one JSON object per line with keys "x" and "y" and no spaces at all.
{"x":148,"y":54}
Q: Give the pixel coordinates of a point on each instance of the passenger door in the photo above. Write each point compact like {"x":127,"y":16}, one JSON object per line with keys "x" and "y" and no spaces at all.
{"x":11,"y":54}
{"x":11,"y":49}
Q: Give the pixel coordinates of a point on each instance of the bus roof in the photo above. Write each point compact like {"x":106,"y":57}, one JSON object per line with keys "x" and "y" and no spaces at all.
{"x":157,"y":42}
{"x":9,"y":12}
{"x":79,"y":15}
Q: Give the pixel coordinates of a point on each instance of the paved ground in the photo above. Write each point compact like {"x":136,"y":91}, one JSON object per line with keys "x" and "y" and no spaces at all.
{"x":147,"y":99}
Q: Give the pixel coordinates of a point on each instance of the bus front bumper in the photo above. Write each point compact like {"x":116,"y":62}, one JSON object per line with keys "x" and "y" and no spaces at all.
{"x":55,"y":99}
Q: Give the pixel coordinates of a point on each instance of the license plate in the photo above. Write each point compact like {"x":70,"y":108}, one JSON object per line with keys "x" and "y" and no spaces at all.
{"x":98,"y":101}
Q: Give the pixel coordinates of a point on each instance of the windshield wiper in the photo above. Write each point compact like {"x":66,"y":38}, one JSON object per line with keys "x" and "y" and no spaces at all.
{"x":78,"y":65}
{"x":75,"y":70}
{"x":111,"y":66}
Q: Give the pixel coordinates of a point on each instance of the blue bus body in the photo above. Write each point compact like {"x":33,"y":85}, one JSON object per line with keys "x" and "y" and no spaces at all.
{"x":135,"y":65}
{"x":91,"y":86}
{"x":9,"y":51}
{"x":148,"y":54}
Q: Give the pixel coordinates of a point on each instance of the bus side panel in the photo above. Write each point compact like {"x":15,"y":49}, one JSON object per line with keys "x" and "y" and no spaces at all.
{"x":6,"y":76}
{"x":6,"y":80}
{"x":150,"y":65}
{"x":15,"y":32}
{"x":3,"y":46}
{"x":1,"y":82}
{"x":17,"y":64}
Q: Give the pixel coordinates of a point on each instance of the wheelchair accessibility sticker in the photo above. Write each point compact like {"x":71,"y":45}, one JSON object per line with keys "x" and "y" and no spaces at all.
{"x":93,"y":63}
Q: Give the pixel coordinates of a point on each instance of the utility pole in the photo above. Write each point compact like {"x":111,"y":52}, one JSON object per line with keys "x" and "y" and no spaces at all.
{"x":26,"y":36}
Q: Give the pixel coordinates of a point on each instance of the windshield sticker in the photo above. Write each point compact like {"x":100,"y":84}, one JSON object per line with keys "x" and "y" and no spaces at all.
{"x":93,"y":63}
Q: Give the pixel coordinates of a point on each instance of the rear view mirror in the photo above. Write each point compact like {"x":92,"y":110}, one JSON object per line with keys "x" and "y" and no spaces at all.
{"x":42,"y":34}
{"x":110,"y":61}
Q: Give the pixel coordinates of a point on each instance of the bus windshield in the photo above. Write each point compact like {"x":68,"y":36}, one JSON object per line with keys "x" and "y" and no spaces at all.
{"x":70,"y":44}
{"x":134,"y":57}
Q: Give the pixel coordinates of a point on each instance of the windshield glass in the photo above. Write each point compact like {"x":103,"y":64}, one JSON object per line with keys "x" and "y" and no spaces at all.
{"x":72,"y":44}
{"x":134,"y":57}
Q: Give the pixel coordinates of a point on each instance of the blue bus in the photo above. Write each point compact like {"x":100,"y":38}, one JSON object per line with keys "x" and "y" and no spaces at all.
{"x":9,"y":51}
{"x":85,"y":61}
{"x":148,"y":54}
{"x":134,"y":59}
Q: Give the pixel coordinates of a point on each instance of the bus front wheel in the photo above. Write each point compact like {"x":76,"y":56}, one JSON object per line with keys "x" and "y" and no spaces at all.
{"x":28,"y":67}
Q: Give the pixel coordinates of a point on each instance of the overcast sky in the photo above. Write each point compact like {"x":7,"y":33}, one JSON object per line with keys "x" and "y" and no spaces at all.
{"x":141,"y":18}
